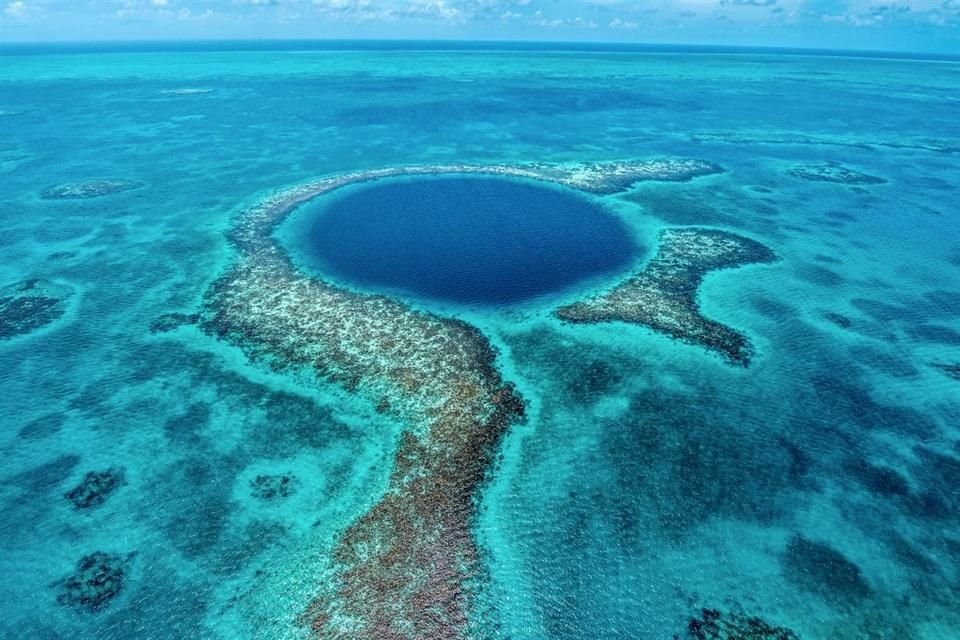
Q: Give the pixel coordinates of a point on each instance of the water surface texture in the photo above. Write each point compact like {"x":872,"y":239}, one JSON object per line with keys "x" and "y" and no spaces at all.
{"x":721,"y":402}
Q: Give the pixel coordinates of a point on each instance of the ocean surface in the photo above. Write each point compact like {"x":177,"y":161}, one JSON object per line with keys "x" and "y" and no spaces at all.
{"x":163,"y":479}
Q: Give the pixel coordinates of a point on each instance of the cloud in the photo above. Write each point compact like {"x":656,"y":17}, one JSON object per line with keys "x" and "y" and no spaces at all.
{"x":186,"y":14}
{"x":16,"y":9}
{"x":617,"y":23}
{"x":540,"y":20}
{"x":878,"y":13}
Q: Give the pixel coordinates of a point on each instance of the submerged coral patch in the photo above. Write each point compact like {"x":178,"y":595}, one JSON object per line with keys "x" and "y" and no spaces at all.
{"x":833,"y":172}
{"x":88,"y":189}
{"x":823,"y":570}
{"x":271,"y":487}
{"x":712,"y":624}
{"x":663,"y":296}
{"x":97,"y":579}
{"x":838,"y":319}
{"x":170,"y":321}
{"x":96,"y":487}
{"x":30,"y":305}
{"x":42,"y":427}
{"x":950,"y":369}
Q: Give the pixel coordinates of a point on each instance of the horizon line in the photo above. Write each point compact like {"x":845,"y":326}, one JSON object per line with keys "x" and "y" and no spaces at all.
{"x":464,"y":44}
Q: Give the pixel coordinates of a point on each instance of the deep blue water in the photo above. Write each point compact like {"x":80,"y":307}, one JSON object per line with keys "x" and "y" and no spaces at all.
{"x":467,"y":240}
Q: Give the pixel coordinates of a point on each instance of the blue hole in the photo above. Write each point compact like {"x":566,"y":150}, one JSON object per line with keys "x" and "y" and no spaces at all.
{"x":463,"y":239}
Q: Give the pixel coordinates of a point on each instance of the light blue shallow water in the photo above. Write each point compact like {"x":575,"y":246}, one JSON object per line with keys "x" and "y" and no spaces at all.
{"x":816,"y":488}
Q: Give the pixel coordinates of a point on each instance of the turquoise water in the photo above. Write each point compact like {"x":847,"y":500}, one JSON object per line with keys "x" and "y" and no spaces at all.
{"x":816,"y":488}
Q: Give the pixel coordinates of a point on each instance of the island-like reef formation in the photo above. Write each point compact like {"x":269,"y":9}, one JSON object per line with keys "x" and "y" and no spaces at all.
{"x":404,"y":568}
{"x":833,"y":172}
{"x":30,"y":305}
{"x":88,"y":189}
{"x":663,"y":296}
{"x":96,"y":581}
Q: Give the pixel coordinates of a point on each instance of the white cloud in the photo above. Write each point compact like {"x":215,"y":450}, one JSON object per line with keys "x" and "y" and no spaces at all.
{"x":17,"y":9}
{"x":874,"y":13}
{"x":617,"y":23}
{"x":552,"y":23}
{"x":186,"y":14}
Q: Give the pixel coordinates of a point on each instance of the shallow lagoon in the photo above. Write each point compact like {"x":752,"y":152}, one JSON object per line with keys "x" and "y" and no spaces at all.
{"x":650,"y":479}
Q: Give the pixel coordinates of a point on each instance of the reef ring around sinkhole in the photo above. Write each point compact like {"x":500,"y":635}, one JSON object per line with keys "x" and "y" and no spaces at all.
{"x":437,"y":375}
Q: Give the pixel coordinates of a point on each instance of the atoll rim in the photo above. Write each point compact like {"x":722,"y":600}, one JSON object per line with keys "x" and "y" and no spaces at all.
{"x":663,"y":296}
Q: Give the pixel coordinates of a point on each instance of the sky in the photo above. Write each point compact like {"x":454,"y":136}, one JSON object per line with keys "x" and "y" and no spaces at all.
{"x":889,"y":25}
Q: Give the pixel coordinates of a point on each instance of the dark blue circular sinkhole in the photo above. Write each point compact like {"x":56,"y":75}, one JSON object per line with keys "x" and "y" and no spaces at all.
{"x":462,"y":239}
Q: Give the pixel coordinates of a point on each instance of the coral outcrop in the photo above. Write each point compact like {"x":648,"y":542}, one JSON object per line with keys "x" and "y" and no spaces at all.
{"x":96,"y":487}
{"x":712,"y":624}
{"x":833,"y":172}
{"x":30,"y":305}
{"x":272,"y":487}
{"x":87,"y":189}
{"x":96,"y":581}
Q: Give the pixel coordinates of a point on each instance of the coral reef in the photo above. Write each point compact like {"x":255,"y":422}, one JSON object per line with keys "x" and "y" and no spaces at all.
{"x":88,"y":189}
{"x":823,"y":570}
{"x":950,"y":369}
{"x":46,"y":475}
{"x":97,"y":580}
{"x":882,"y":481}
{"x":711,"y":624}
{"x":833,"y":172}
{"x":838,"y":319}
{"x":946,"y":146}
{"x":170,"y":321}
{"x":612,"y":177}
{"x":663,"y":296}
{"x":403,"y":569}
{"x":96,"y":487}
{"x":30,"y":305}
{"x":42,"y":427}
{"x":270,"y":487}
